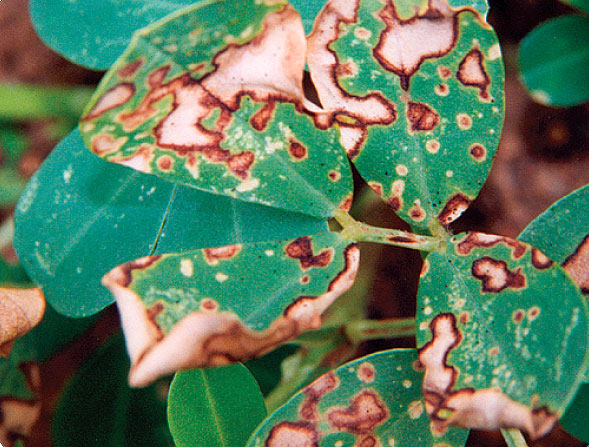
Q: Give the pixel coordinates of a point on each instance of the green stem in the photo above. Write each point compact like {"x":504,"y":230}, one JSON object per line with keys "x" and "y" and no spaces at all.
{"x":35,"y":102}
{"x":6,"y":232}
{"x":359,"y":331}
{"x":298,"y":371}
{"x":514,"y":438}
{"x":362,"y":232}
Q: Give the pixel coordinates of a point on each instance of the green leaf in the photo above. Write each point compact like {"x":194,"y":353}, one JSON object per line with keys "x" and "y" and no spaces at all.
{"x":554,"y":61}
{"x":499,"y":350}
{"x":214,"y":407}
{"x":79,"y":217}
{"x":13,"y":143}
{"x":212,"y":98}
{"x":99,"y":409}
{"x":581,"y":5}
{"x":575,"y":419}
{"x":418,"y":97}
{"x":12,"y":274}
{"x":95,"y":34}
{"x":308,"y":9}
{"x":219,"y":305}
{"x":563,"y":235}
{"x":375,"y":400}
{"x":11,"y":185}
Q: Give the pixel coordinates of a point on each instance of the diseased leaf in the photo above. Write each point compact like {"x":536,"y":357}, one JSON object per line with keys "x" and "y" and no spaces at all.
{"x":415,"y":87}
{"x":95,"y":33}
{"x":217,"y":407}
{"x":212,"y":98}
{"x":80,"y":216}
{"x":481,"y":6}
{"x":554,"y":61}
{"x":20,"y":311}
{"x":565,"y":238}
{"x":563,"y":235}
{"x":499,"y":350}
{"x":219,"y":305}
{"x":372,"y":401}
{"x":99,"y":409}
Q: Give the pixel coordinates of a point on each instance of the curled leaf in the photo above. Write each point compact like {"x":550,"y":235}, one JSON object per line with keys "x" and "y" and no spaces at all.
{"x":20,"y":311}
{"x":499,"y":350}
{"x":216,"y":306}
{"x":212,"y":97}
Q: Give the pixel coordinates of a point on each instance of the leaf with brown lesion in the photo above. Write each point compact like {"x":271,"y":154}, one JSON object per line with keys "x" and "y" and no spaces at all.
{"x":212,"y":98}
{"x":498,"y":350}
{"x":182,"y":311}
{"x":20,"y":311}
{"x":414,"y":86}
{"x":370,"y":402}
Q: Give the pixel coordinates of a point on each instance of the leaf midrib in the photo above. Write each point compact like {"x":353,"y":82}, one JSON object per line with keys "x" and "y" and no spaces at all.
{"x":223,"y":437}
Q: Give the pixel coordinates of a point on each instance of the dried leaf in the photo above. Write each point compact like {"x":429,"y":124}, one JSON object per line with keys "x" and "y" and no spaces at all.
{"x":20,"y":414}
{"x":20,"y":311}
{"x":212,"y":97}
{"x":216,"y":306}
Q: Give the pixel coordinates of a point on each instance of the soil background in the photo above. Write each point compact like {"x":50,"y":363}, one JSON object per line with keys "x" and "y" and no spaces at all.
{"x":544,"y":155}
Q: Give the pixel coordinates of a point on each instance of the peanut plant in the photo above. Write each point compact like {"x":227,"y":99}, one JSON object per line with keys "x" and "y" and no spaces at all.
{"x":221,"y":229}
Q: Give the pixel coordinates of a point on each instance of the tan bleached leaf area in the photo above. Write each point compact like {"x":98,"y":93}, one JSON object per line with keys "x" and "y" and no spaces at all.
{"x":20,"y":311}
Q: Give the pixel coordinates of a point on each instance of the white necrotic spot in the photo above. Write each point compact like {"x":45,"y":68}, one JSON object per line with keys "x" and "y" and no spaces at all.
{"x":428,"y":310}
{"x":248,"y":185}
{"x":401,"y":170}
{"x":269,"y":253}
{"x":67,"y":174}
{"x":186,"y":267}
{"x":407,"y":383}
{"x":494,"y":52}
{"x":221,"y":277}
{"x":449,"y":173}
{"x":432,"y":146}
